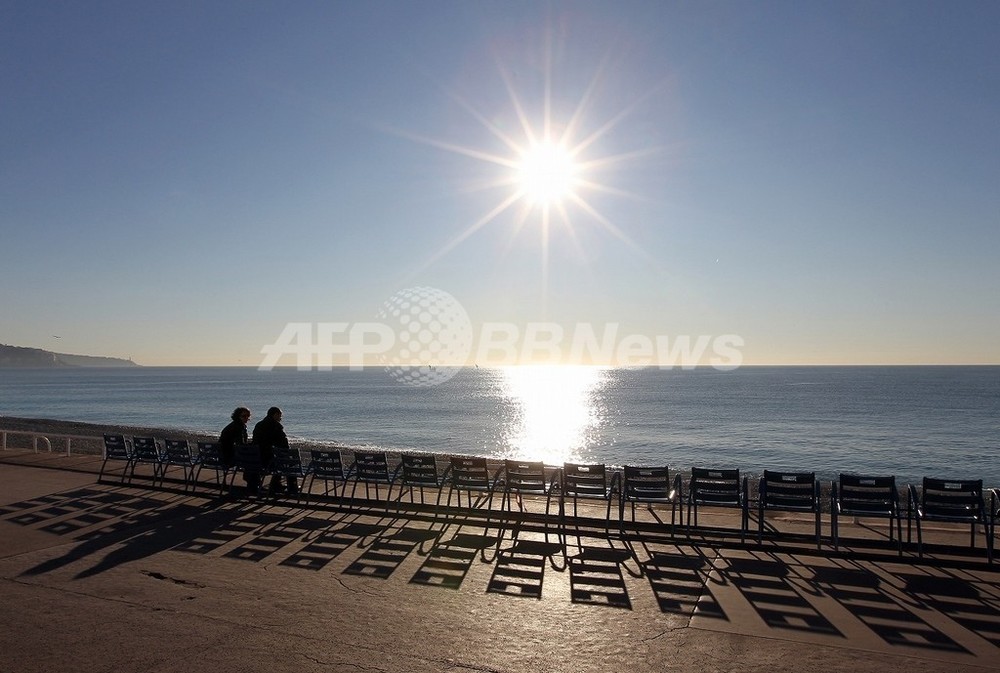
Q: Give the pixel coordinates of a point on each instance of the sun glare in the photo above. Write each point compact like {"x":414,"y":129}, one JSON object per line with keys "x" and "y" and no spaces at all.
{"x":547,"y":173}
{"x":558,"y":411}
{"x":550,"y":169}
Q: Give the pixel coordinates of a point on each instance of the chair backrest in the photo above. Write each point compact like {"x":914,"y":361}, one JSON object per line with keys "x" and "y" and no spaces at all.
{"x":209,"y":454}
{"x":470,"y":473}
{"x":789,"y":490}
{"x":176,"y":451}
{"x":371,"y":466}
{"x":326,"y":464}
{"x":524,"y":476}
{"x":957,"y":500}
{"x":286,"y":461}
{"x":419,"y":470}
{"x":863,"y":493}
{"x":710,"y":486}
{"x":643,"y":483}
{"x":248,"y":457}
{"x":116,"y":448}
{"x":585,"y":480}
{"x":145,"y":449}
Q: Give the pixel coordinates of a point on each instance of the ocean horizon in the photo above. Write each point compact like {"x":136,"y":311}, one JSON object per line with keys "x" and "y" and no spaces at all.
{"x":907,"y":420}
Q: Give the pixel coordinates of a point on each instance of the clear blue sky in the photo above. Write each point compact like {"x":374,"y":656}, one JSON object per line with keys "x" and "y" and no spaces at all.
{"x":178,"y":180}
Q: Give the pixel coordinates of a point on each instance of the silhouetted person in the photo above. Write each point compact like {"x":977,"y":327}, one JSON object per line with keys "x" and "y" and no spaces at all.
{"x":269,"y":434}
{"x":233,"y":434}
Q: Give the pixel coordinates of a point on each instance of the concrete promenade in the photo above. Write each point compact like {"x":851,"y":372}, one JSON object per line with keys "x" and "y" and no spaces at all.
{"x":100,"y":577}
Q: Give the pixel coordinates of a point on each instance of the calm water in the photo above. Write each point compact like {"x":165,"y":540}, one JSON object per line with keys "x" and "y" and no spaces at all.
{"x":908,"y":421}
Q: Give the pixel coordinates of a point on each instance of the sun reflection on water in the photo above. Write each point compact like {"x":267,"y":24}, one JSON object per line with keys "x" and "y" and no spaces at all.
{"x":556,"y":411}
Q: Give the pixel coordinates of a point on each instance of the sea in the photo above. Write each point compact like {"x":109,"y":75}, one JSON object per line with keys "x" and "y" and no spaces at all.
{"x":910,"y":421}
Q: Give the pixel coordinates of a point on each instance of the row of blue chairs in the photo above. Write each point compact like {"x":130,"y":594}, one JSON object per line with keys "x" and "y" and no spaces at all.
{"x":863,"y":496}
{"x":174,"y":453}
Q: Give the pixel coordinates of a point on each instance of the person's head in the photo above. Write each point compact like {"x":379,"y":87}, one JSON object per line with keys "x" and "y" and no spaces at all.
{"x":241,"y":414}
{"x":274,"y":413}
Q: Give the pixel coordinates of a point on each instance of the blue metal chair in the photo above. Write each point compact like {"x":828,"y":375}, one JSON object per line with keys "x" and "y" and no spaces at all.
{"x":248,"y":458}
{"x":950,"y":500}
{"x":525,"y":477}
{"x":327,"y":465}
{"x":417,"y":472}
{"x":789,"y":492}
{"x":869,"y":496}
{"x":146,"y":451}
{"x":710,"y":487}
{"x":287,"y":463}
{"x":116,"y":448}
{"x":210,"y":458}
{"x":371,"y":468}
{"x":177,"y":453}
{"x":651,"y":486}
{"x":471,"y":475}
{"x":587,"y":481}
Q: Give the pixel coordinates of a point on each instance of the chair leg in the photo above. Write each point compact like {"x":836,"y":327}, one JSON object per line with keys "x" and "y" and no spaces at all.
{"x":437,"y":508}
{"x":486,"y":525}
{"x":506,"y":513}
{"x":548,"y":502}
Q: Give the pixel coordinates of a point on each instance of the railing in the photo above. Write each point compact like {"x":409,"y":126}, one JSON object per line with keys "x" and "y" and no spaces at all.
{"x":37,"y":437}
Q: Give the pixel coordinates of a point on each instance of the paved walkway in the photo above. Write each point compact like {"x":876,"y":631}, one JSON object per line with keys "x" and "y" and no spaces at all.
{"x":108,"y":578}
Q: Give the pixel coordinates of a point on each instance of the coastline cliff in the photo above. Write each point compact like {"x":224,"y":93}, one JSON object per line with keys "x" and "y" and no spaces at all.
{"x":20,"y":357}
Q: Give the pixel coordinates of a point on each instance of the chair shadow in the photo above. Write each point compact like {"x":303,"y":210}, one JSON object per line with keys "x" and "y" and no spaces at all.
{"x":448,"y":562}
{"x":520,"y":569}
{"x":862,"y":593}
{"x":388,"y":551}
{"x":267,"y":536}
{"x":976,"y":608}
{"x":765,"y":584}
{"x":680,"y":584}
{"x":780,"y":593}
{"x":326,"y":540}
{"x":595,"y":577}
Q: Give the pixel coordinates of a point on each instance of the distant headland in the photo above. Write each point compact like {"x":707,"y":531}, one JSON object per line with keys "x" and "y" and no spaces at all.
{"x":17,"y":356}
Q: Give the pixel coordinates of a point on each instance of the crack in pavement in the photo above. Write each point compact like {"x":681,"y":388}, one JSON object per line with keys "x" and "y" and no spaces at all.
{"x":167,"y":578}
{"x":664,"y":633}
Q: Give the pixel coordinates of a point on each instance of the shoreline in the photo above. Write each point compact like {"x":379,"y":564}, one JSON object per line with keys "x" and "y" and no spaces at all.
{"x":88,"y":440}
{"x":81,"y":428}
{"x":54,"y":429}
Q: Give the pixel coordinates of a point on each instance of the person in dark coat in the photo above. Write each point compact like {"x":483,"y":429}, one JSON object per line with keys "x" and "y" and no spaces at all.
{"x":233,"y":434}
{"x":269,"y":434}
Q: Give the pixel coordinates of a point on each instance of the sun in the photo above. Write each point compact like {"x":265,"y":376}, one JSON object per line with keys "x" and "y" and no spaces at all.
{"x":551,"y":170}
{"x":547,"y":173}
